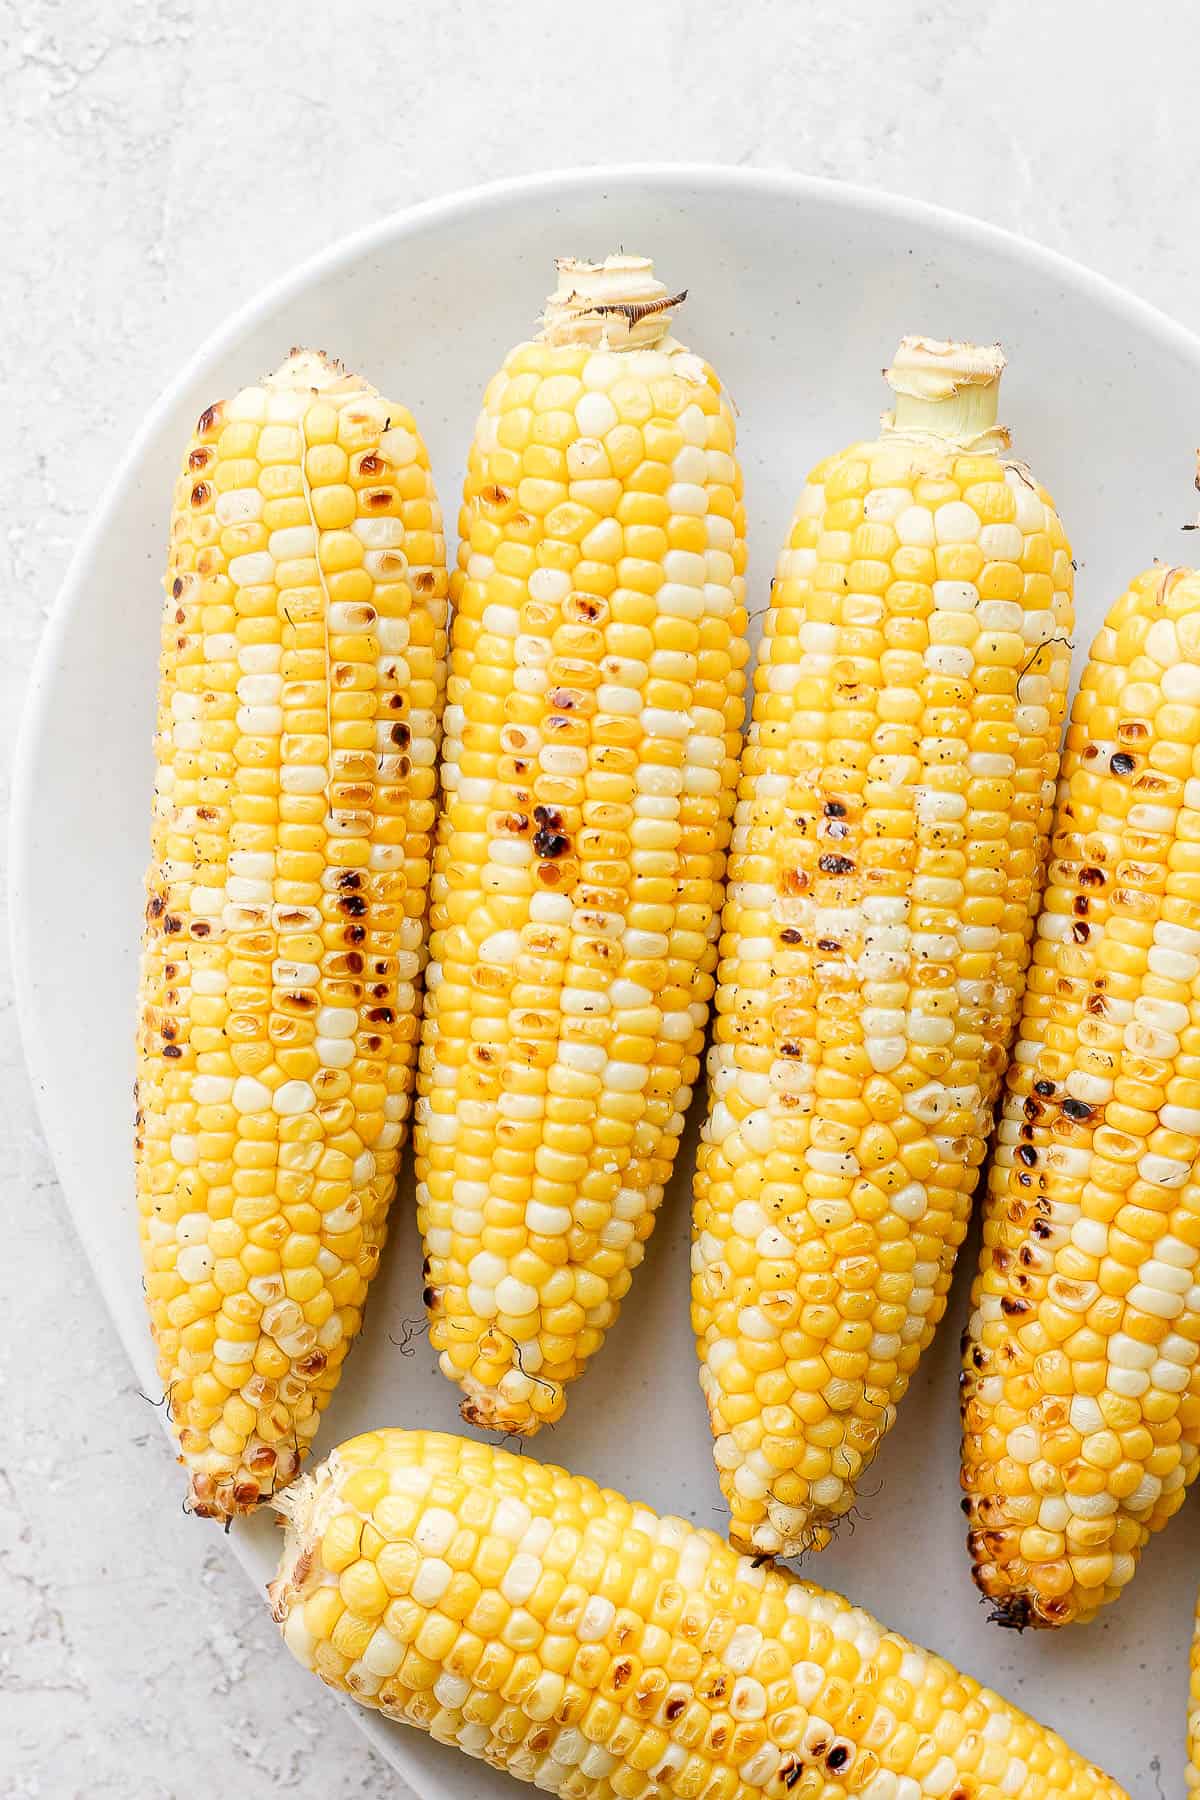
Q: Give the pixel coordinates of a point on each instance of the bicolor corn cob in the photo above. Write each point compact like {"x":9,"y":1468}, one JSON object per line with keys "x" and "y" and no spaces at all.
{"x":303,"y":658}
{"x":886,"y":864}
{"x":594,"y":713}
{"x":1192,"y":1772}
{"x":577,"y":1640}
{"x":1081,"y":1396}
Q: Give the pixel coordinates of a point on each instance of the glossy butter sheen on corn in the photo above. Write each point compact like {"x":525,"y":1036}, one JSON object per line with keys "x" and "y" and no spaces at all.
{"x":594,"y":712}
{"x":302,"y":669}
{"x":1081,"y":1386}
{"x":887,"y":857}
{"x":585,"y":1644}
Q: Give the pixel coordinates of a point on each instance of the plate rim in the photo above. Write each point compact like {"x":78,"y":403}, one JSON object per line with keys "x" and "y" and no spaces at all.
{"x":460,"y":204}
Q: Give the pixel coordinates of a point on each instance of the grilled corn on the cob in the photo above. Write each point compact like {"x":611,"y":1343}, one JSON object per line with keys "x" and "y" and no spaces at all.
{"x":593,"y":721}
{"x":585,"y":1644}
{"x":1081,"y":1392}
{"x":303,"y":656}
{"x":886,"y":864}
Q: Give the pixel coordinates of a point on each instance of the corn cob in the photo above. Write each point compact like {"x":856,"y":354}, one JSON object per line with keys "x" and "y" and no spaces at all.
{"x":1081,"y":1394}
{"x":594,"y":713}
{"x":887,"y":855}
{"x":1192,"y":1774}
{"x":577,"y":1640}
{"x":303,"y":658}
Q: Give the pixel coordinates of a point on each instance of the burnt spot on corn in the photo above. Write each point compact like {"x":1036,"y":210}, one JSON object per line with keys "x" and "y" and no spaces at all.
{"x":831,"y":864}
{"x":1014,"y":1612}
{"x":1078,"y":1110}
{"x":171,"y":924}
{"x":1121,"y":763}
{"x":201,"y":494}
{"x":369,"y":463}
{"x":353,"y":906}
{"x":838,"y":1757}
{"x":1089,"y":876}
{"x":200,"y":928}
{"x":1014,"y":1309}
{"x":350,"y":878}
{"x":172,"y":1051}
{"x":550,"y":844}
{"x":494,"y":495}
{"x":1028,"y":1155}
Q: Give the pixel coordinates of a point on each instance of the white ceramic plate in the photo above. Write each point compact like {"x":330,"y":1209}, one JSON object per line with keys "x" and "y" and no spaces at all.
{"x":799,"y":292}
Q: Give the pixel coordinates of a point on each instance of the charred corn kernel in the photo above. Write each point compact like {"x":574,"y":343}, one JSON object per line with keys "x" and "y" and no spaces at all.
{"x":1081,"y":1353}
{"x":886,"y":865}
{"x":607,"y":1648}
{"x":594,"y":713}
{"x":302,"y":671}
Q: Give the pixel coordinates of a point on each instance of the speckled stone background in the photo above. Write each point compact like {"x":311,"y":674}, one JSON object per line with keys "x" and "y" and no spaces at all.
{"x":161,"y":162}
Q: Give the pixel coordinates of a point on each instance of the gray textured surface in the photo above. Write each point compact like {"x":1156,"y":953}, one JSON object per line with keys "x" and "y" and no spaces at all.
{"x":164,"y":161}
